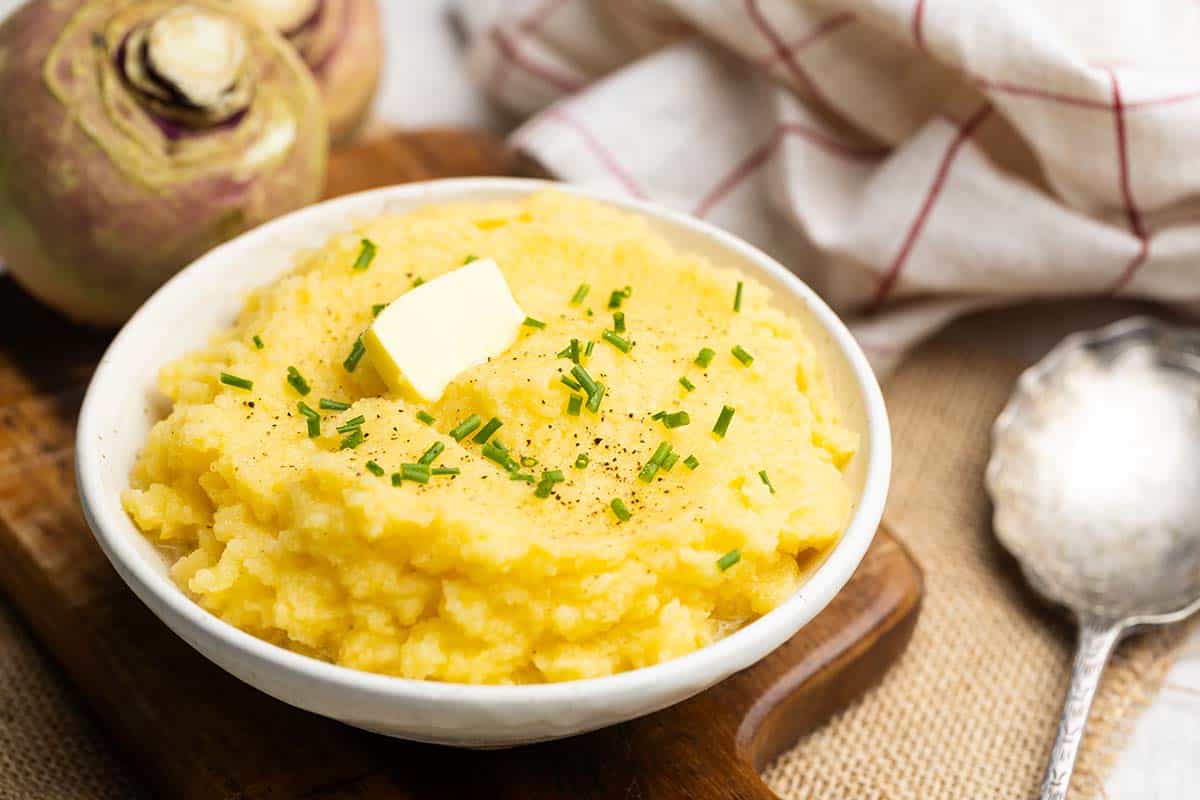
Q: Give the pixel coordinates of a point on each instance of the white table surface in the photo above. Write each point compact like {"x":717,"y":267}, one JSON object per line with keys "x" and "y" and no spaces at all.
{"x":424,"y":85}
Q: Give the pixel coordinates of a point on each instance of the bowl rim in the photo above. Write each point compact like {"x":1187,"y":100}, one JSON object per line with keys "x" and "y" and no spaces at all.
{"x":734,"y":652}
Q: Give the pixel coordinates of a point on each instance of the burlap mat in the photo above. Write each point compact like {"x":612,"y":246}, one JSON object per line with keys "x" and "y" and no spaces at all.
{"x":50,"y":749}
{"x":967,"y":714}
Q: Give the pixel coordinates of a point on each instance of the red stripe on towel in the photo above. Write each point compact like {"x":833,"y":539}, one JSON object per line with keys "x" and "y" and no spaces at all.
{"x":965,"y":131}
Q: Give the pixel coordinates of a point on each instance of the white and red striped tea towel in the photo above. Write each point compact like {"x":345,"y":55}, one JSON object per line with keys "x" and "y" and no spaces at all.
{"x":910,"y":159}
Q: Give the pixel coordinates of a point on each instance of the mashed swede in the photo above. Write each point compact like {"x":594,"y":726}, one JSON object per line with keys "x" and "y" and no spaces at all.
{"x":472,"y":577}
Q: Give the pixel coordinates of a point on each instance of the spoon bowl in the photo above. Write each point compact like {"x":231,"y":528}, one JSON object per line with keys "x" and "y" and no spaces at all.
{"x":1095,"y":483}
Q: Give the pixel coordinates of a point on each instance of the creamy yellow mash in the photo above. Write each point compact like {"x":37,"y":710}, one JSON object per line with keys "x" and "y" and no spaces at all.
{"x":473,"y":576}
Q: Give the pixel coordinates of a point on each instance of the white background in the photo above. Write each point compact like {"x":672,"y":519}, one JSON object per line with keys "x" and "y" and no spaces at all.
{"x":424,"y":85}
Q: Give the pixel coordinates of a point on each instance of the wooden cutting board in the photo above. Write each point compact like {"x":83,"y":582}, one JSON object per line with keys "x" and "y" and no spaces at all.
{"x":195,"y":732}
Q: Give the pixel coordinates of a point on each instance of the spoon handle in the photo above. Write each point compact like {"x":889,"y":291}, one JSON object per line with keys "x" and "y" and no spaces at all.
{"x":1096,"y":642}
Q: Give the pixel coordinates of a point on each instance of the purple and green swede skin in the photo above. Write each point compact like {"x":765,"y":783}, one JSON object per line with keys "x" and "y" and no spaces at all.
{"x":340,"y":40}
{"x":136,"y":135}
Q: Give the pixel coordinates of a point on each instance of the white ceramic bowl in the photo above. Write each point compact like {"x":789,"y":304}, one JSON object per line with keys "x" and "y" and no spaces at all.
{"x":122,"y":404}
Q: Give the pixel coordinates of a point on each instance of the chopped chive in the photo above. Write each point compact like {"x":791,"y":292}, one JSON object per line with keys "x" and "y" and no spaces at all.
{"x":374,"y":469}
{"x":487,"y":430}
{"x":569,"y":382}
{"x":469,"y":259}
{"x":619,"y":322}
{"x":676,"y":420}
{"x":365,"y":255}
{"x":499,"y":444}
{"x":571,"y":351}
{"x":549,"y":478}
{"x":685,"y":383}
{"x":464,"y":429}
{"x":723,"y":421}
{"x":742,"y":356}
{"x":521,"y":476}
{"x":351,"y":424}
{"x":333,"y":405}
{"x":580,"y":293}
{"x":433,"y":452}
{"x":498,"y":455}
{"x":660,"y":453}
{"x":585,"y":380}
{"x":445,"y":470}
{"x":657,"y":415}
{"x":669,"y":462}
{"x":587,"y":351}
{"x":530,"y":322}
{"x":762,"y":473}
{"x":618,"y":342}
{"x":618,"y":295}
{"x":729,"y":559}
{"x":691,"y":462}
{"x":375,"y":309}
{"x":528,"y":461}
{"x":574,"y":405}
{"x":297,"y":382}
{"x":415,"y":472}
{"x":356,"y":354}
{"x":618,"y":507}
{"x":312,"y":418}
{"x":581,"y":461}
{"x":737,"y":298}
{"x":651,"y":468}
{"x":397,"y":478}
{"x":593,"y":401}
{"x":417,"y":281}
{"x":425,"y":416}
{"x":705,"y":356}
{"x":258,"y":342}
{"x":235,"y":381}
{"x":352,"y":441}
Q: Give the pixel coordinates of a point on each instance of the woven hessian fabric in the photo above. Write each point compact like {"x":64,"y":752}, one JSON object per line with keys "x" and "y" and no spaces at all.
{"x":969,"y":712}
{"x":50,"y":749}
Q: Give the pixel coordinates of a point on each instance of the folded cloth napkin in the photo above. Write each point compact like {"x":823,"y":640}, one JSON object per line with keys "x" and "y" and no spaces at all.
{"x":910,"y":159}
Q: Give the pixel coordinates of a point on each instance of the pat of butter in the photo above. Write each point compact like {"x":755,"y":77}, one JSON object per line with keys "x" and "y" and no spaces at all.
{"x":429,"y":335}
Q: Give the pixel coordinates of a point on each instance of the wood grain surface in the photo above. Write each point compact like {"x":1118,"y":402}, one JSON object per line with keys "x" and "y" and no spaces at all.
{"x":195,"y":732}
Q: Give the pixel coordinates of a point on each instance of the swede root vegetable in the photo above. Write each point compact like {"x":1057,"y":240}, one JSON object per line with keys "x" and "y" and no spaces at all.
{"x":137,"y":134}
{"x":341,"y":43}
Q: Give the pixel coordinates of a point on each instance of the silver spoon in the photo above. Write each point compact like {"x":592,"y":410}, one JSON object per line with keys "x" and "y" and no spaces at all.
{"x":1095,"y":482}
